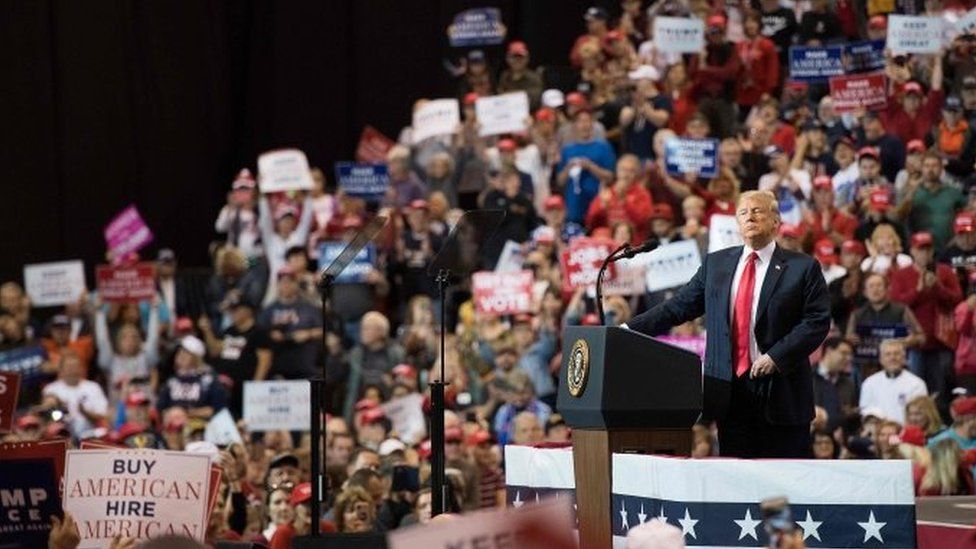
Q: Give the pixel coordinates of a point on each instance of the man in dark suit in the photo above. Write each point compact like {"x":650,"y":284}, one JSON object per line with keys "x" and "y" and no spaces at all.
{"x":766,"y":309}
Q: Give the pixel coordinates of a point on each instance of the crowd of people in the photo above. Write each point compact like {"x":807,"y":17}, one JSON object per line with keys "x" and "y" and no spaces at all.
{"x":884,"y":200}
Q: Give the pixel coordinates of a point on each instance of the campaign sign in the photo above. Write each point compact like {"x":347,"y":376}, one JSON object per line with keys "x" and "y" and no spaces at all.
{"x":28,"y":497}
{"x":25,"y":361}
{"x":128,"y":284}
{"x":816,"y":63}
{"x":356,"y":271}
{"x":435,"y":117}
{"x":506,"y":113}
{"x":367,"y":181}
{"x":693,"y":343}
{"x":581,"y":262}
{"x":502,"y":293}
{"x":697,"y":156}
{"x":967,"y":23}
{"x":373,"y":146}
{"x":865,"y":56}
{"x":127,"y":233}
{"x":283,"y":170}
{"x":672,"y":265}
{"x":628,"y":277}
{"x":9,"y":388}
{"x":406,"y":414}
{"x":723,"y":232}
{"x":914,"y":34}
{"x":871,"y":335}
{"x":56,"y":283}
{"x":137,"y":494}
{"x":477,"y":27}
{"x":276,"y":405}
{"x":858,"y":91}
{"x":679,"y":34}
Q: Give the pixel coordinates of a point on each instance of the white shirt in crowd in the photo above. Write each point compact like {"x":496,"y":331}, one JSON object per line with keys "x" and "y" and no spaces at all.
{"x":87,"y":393}
{"x":833,"y":272}
{"x":842,"y":179}
{"x":249,"y":239}
{"x":762,"y":267}
{"x":789,"y":206}
{"x":891,"y":394}
{"x":881,"y":264}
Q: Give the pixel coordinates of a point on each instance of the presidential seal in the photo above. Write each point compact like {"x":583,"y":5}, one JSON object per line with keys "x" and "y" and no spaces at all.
{"x":578,"y":368}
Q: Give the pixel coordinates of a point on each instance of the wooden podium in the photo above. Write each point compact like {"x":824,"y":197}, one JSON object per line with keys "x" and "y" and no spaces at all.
{"x":622,"y":392}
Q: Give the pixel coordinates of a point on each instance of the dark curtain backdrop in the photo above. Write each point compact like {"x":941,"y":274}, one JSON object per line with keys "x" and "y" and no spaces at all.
{"x":159,"y":102}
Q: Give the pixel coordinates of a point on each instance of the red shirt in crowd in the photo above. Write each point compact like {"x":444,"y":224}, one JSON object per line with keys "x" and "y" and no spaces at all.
{"x":929,"y":302}
{"x":841,"y":222}
{"x":634,"y":208}
{"x":905,"y":127}
{"x":760,"y":73}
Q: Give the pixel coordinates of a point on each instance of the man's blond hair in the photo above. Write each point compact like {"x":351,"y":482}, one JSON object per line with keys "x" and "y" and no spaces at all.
{"x":764,"y":197}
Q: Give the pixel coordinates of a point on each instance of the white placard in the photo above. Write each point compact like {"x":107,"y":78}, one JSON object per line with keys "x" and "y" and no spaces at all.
{"x":437,"y":117}
{"x":511,"y":258}
{"x":222,"y":430}
{"x":672,"y":265}
{"x":136,"y":493}
{"x":723,"y":232}
{"x":283,"y":170}
{"x":679,"y":34}
{"x":506,"y":113}
{"x":914,"y":34}
{"x":966,"y":24}
{"x":57,"y":283}
{"x":406,"y":413}
{"x":629,"y":278}
{"x":277,"y":405}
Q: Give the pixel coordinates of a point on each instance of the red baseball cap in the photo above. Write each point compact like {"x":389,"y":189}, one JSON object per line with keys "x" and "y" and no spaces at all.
{"x":174,"y":425}
{"x":922,"y":239}
{"x":507,"y":145}
{"x":613,"y":36}
{"x":965,"y":406}
{"x":244,"y":180}
{"x":479,"y":437}
{"x":138,"y":398}
{"x":853,"y":247}
{"x":792,"y":231}
{"x":825,"y":251}
{"x":662,"y":211}
{"x":555,"y":202}
{"x":470,"y":98}
{"x":912,"y":87}
{"x":915,"y":145}
{"x":423,"y":449}
{"x":365,"y":404}
{"x":545,"y":114}
{"x":878,"y":22}
{"x":418,"y":204}
{"x":373,"y":415}
{"x":965,"y":223}
{"x":404,"y":370}
{"x":183,"y":324}
{"x":517,"y":47}
{"x":880,"y":200}
{"x":301,"y":494}
{"x":715,"y":21}
{"x":577,"y":99}
{"x":868,"y":151}
{"x":823,"y":182}
{"x":453,"y":434}
{"x":27,"y":421}
{"x":913,"y":434}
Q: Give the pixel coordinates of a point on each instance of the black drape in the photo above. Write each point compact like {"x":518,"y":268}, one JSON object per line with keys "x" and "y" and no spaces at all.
{"x":159,"y":102}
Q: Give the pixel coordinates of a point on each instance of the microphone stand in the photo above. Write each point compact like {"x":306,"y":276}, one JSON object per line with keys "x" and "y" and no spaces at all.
{"x":599,"y":279}
{"x":439,"y":489}
{"x":319,"y":488}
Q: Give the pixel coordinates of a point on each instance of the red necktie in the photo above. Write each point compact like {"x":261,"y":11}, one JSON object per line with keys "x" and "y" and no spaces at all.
{"x":743,"y":316}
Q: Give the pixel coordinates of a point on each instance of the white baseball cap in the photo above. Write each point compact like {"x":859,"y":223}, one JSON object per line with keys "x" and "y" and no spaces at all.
{"x":553,"y":98}
{"x":389,"y":446}
{"x":193,"y":345}
{"x":644,"y":72}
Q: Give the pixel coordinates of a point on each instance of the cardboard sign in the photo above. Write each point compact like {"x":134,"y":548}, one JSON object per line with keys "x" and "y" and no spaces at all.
{"x":545,"y":525}
{"x":136,"y":493}
{"x":126,"y":234}
{"x":511,"y":258}
{"x":57,"y":283}
{"x":697,"y":156}
{"x":967,"y":23}
{"x":277,"y":405}
{"x":406,"y":413}
{"x":283,"y":170}
{"x":581,"y":262}
{"x":9,"y":389}
{"x":816,"y":63}
{"x":505,"y":293}
{"x":222,"y":430}
{"x":477,"y":27}
{"x":356,"y":271}
{"x":506,"y":113}
{"x":24,"y":361}
{"x":693,"y":343}
{"x":373,"y":146}
{"x":128,"y":284}
{"x":871,"y":335}
{"x":673,"y":265}
{"x":858,"y":91}
{"x":437,"y":117}
{"x":865,"y":56}
{"x":628,"y":277}
{"x":723,"y":232}
{"x":679,"y":34}
{"x":366,"y":181}
{"x":30,"y":480}
{"x":914,"y":34}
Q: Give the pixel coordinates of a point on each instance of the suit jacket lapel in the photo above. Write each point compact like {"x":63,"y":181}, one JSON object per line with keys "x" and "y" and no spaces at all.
{"x":776,"y":267}
{"x":726,"y":272}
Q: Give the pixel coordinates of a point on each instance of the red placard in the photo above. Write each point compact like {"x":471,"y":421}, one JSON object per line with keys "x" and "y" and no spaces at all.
{"x":373,"y":146}
{"x":45,"y":449}
{"x":505,"y":293}
{"x":9,"y":387}
{"x":581,"y":262}
{"x":857,"y":91}
{"x":129,"y":283}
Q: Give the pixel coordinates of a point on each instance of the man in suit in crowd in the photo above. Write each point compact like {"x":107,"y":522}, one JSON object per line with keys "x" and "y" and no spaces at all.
{"x":766,"y":309}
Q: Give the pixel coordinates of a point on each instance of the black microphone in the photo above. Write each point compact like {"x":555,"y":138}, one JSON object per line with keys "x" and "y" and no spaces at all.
{"x":647,"y":246}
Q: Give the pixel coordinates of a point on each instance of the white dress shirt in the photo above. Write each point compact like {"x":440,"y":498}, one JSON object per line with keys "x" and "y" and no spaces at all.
{"x":762,"y":265}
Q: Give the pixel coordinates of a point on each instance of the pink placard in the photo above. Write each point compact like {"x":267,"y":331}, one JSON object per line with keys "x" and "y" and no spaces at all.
{"x":505,"y":293}
{"x":126,"y":233}
{"x":693,"y":343}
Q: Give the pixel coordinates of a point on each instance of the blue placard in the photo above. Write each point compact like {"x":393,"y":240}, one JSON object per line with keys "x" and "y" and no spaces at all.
{"x":31,"y":496}
{"x":356,"y":271}
{"x":699,"y":156}
{"x":367,"y":181}
{"x":816,"y":63}
{"x":865,"y":56}
{"x":25,"y":361}
{"x":477,"y":27}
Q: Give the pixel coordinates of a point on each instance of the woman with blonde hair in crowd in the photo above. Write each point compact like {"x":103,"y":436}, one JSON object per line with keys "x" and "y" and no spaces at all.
{"x":884,"y":251}
{"x":948,"y":474}
{"x":355,"y":511}
{"x":922,"y":413}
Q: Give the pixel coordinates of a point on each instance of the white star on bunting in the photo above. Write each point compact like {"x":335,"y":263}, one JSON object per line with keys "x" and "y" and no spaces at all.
{"x":810,"y":527}
{"x":688,"y":525}
{"x":642,"y":516}
{"x":872,"y":528}
{"x":518,"y":500}
{"x":623,"y":516}
{"x":747,"y":526}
